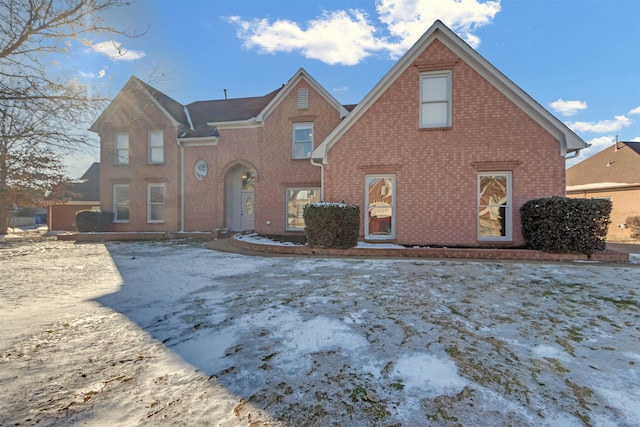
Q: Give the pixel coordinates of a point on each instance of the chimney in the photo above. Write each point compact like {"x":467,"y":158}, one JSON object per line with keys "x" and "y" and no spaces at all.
{"x":225,"y":97}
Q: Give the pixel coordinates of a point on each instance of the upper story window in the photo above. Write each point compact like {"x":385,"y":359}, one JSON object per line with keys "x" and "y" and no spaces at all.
{"x":121,"y":152}
{"x":302,"y":140}
{"x":435,"y":100}
{"x":303,"y":98}
{"x":156,"y":146}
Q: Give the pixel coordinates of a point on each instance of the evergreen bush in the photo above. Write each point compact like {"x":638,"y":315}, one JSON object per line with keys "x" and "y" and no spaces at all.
{"x":564,"y":225}
{"x":332,"y":225}
{"x":88,"y":221}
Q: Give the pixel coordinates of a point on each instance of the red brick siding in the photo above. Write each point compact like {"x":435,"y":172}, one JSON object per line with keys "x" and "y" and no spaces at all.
{"x":436,"y":182}
{"x":137,"y":115}
{"x":63,"y":217}
{"x":268,"y":150}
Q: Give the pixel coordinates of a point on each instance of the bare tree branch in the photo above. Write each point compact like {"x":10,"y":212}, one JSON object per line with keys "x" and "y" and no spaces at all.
{"x":41,"y":107}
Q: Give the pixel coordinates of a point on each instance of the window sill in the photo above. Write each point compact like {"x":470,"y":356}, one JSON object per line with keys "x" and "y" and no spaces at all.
{"x":442,"y":128}
{"x":156,"y":222}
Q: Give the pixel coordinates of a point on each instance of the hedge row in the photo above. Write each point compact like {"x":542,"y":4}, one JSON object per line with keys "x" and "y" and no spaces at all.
{"x":89,"y":221}
{"x":564,"y":225}
{"x":332,"y":225}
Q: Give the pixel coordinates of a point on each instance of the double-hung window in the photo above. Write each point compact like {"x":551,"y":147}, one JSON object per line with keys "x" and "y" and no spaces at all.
{"x":156,"y":146}
{"x":380,"y":201}
{"x":121,"y":152}
{"x":121,"y":203}
{"x":494,"y":206}
{"x":155,"y":202}
{"x":435,"y":100}
{"x":302,"y":137}
{"x":297,"y":199}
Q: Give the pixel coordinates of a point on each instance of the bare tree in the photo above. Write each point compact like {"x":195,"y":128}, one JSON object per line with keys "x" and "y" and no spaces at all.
{"x":42,"y":107}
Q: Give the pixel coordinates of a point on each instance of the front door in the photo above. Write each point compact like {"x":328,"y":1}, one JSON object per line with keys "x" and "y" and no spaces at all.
{"x":239,"y":199}
{"x":247,"y":211}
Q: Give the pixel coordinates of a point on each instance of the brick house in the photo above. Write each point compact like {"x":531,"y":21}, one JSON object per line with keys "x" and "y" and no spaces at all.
{"x":83,"y":194}
{"x":443,"y":150}
{"x":613,"y":174}
{"x":459,"y":147}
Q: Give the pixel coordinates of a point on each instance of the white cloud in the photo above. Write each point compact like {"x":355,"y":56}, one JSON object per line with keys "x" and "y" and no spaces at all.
{"x":86,"y":75}
{"x":409,"y":19}
{"x":635,"y":111}
{"x":340,"y":89}
{"x":116,"y":52}
{"x":102,"y":73}
{"x":603,"y":126}
{"x":325,"y":38}
{"x":636,"y":139}
{"x":568,"y":108}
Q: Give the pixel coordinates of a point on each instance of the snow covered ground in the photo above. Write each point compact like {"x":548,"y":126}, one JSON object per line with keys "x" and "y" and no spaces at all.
{"x":156,"y":333}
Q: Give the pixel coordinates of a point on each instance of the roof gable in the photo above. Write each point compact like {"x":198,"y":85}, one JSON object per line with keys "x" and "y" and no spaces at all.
{"x":569,"y":141}
{"x":172,"y":109}
{"x":293,"y":81}
{"x":617,"y":164}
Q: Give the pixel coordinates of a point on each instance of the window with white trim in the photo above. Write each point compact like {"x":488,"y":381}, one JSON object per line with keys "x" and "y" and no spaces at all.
{"x":297,"y":199}
{"x":435,"y":100}
{"x":121,"y":203}
{"x":121,"y":151}
{"x":494,"y":206}
{"x":380,"y":221}
{"x":155,"y":202}
{"x":156,"y":146}
{"x":302,"y":137}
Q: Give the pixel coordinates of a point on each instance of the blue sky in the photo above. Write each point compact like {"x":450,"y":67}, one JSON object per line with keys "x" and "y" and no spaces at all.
{"x":580,"y":59}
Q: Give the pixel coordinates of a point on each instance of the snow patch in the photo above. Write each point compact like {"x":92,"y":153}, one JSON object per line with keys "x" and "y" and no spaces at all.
{"x":429,"y":373}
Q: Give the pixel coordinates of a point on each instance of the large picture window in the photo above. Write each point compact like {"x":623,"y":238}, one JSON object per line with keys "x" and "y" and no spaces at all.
{"x":121,"y":152}
{"x":155,"y":203}
{"x":302,"y":140}
{"x":435,"y":100}
{"x":494,"y":206}
{"x":297,"y":199}
{"x":380,"y":201}
{"x":121,"y":203}
{"x":156,"y":146}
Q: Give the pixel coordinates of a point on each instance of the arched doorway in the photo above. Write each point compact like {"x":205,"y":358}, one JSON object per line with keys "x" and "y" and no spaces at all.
{"x":239,"y":198}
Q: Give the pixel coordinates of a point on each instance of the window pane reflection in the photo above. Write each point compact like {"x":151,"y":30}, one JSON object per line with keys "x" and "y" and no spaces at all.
{"x":380,"y":209}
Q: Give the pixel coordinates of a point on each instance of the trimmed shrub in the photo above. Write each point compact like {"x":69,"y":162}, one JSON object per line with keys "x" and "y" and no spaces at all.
{"x":564,"y":225}
{"x":633,"y":224}
{"x":89,"y":221}
{"x":332,"y":225}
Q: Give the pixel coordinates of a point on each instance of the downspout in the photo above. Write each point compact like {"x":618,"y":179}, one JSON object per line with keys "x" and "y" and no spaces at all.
{"x":573,"y":155}
{"x":321,"y":166}
{"x":181,"y":186}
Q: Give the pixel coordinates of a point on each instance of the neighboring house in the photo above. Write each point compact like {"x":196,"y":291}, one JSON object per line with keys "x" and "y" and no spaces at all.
{"x":613,"y":174}
{"x":74,"y":196}
{"x":443,"y":151}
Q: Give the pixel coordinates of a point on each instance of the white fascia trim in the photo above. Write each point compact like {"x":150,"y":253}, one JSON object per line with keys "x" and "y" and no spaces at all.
{"x":81,"y":202}
{"x":199,"y":141}
{"x":238,"y":124}
{"x":600,"y":186}
{"x":569,"y":141}
{"x":186,"y":112}
{"x":174,"y":122}
{"x":299,"y":75}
